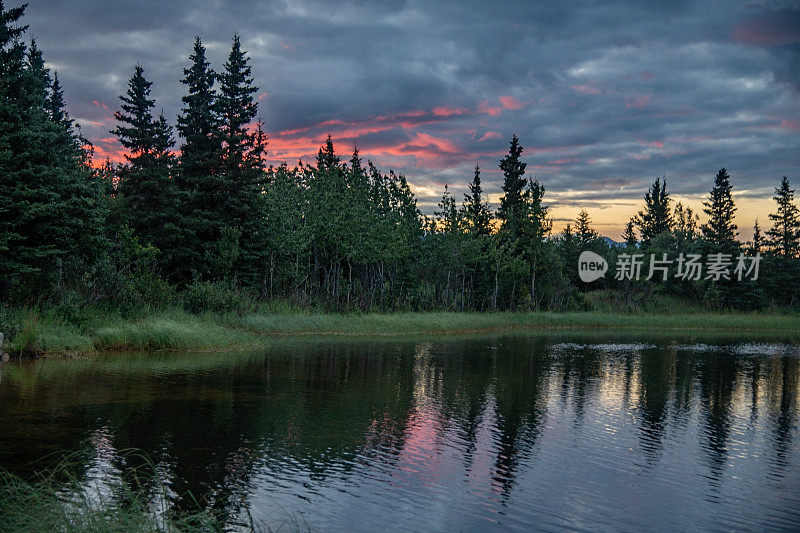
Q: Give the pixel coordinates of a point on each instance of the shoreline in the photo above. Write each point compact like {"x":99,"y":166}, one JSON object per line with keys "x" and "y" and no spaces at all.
{"x":41,"y":335}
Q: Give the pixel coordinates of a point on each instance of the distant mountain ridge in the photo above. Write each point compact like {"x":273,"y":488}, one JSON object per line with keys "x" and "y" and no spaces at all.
{"x":613,"y":243}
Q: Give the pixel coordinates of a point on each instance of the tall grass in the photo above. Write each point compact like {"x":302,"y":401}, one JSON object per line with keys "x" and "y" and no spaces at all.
{"x":176,"y":329}
{"x":31,"y":332}
{"x":137,"y":501}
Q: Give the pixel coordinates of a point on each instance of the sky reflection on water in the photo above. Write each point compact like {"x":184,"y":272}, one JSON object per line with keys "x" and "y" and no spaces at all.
{"x":445,"y":434}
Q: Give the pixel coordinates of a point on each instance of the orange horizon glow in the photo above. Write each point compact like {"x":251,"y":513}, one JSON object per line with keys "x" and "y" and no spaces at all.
{"x":415,"y":149}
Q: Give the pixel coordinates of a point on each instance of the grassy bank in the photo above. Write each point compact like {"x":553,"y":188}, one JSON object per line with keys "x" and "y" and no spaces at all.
{"x":40,"y":333}
{"x":42,"y":506}
{"x":135,"y":500}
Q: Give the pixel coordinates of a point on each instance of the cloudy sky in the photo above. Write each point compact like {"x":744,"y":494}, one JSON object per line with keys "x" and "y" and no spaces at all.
{"x":604,"y":96}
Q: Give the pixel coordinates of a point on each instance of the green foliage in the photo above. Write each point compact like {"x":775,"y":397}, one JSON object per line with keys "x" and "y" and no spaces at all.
{"x":127,"y":505}
{"x":475,"y":210}
{"x":656,"y":217}
{"x":215,"y":297}
{"x":216,"y":230}
{"x":512,"y":210}
{"x":583,"y":228}
{"x":146,"y":192}
{"x":198,"y":180}
{"x":50,"y":214}
{"x":720,"y":231}
{"x":685,"y":229}
{"x":784,"y":235}
{"x":629,"y":235}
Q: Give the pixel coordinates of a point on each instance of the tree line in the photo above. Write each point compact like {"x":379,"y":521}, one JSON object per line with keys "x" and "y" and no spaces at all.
{"x":209,"y":218}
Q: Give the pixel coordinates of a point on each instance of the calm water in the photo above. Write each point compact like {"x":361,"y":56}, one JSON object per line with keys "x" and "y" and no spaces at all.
{"x":444,"y":434}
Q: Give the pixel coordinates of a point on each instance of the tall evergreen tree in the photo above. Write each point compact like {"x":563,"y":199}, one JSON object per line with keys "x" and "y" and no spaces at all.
{"x":237,"y":108}
{"x":583,"y":228}
{"x":146,"y":191}
{"x":50,"y":220}
{"x":629,"y":235}
{"x":55,"y":104}
{"x":198,"y":180}
{"x":513,"y":204}
{"x":536,"y":227}
{"x":656,"y":217}
{"x":12,"y":52}
{"x":242,"y":177}
{"x":784,"y":235}
{"x":685,"y":224}
{"x":720,"y":231}
{"x":476,"y":212}
{"x":447,"y":218}
{"x":198,"y":125}
{"x":757,"y":244}
{"x":37,"y":78}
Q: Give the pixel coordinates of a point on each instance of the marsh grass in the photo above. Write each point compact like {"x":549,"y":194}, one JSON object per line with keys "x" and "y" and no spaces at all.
{"x":35,"y":332}
{"x":137,"y":501}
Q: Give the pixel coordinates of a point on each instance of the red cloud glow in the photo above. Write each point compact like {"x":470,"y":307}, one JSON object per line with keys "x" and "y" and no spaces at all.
{"x":773,"y":31}
{"x":588,"y":89}
{"x":638,"y":102}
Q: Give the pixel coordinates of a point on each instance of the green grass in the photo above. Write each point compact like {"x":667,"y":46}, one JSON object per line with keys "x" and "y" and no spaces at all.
{"x":135,"y":502}
{"x":40,"y":333}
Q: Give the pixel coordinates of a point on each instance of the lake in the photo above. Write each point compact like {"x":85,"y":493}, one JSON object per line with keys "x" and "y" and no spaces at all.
{"x":514,"y":431}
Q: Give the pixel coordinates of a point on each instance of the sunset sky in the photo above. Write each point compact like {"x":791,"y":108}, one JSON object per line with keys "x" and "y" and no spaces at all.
{"x":604,"y":96}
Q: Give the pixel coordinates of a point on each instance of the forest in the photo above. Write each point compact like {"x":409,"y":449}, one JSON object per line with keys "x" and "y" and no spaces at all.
{"x":195,"y":218}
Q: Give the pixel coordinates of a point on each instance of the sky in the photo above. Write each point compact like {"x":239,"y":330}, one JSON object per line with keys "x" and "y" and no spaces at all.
{"x":605,"y":96}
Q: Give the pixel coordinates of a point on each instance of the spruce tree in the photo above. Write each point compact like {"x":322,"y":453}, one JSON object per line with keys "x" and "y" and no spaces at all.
{"x":629,"y":235}
{"x":12,"y":52}
{"x":656,"y":217}
{"x":50,"y":216}
{"x":55,"y":104}
{"x":237,"y":109}
{"x":720,"y":231}
{"x":357,"y":174}
{"x":447,"y":218}
{"x":513,"y":210}
{"x":146,"y":191}
{"x":242,"y":173}
{"x":784,"y":236}
{"x":37,"y":78}
{"x":198,"y":125}
{"x":757,"y":244}
{"x":198,"y":180}
{"x":536,"y":226}
{"x":583,"y":228}
{"x":685,"y":224}
{"x":477,"y":216}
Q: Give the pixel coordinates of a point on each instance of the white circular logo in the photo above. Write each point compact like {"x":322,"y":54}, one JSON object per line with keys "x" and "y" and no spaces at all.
{"x":591,"y":266}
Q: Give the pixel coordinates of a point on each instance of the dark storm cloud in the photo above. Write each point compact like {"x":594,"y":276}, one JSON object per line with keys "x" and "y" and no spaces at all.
{"x":603,"y":96}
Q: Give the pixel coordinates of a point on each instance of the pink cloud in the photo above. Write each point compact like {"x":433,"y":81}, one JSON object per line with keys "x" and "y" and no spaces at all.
{"x":766,"y":31}
{"x":489,"y":135}
{"x":509,"y":102}
{"x":485,"y":108}
{"x":791,"y":125}
{"x":638,"y":102}
{"x":654,"y":144}
{"x":587,"y":89}
{"x":444,"y":111}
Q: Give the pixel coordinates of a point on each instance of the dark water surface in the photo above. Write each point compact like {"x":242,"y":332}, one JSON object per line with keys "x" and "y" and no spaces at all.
{"x":449,"y":433}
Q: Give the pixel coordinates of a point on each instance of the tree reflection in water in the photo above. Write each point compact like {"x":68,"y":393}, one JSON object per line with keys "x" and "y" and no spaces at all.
{"x":438,"y":433}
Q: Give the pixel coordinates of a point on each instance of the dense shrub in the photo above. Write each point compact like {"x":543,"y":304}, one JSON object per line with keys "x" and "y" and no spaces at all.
{"x":217,"y":297}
